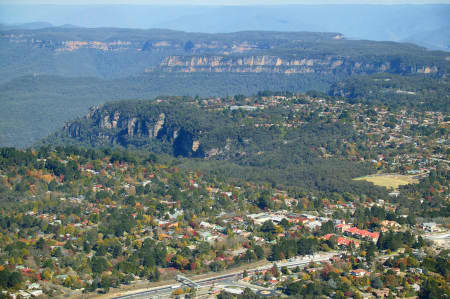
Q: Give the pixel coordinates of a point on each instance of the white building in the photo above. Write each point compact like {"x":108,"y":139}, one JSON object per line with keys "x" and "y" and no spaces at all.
{"x":430,"y":227}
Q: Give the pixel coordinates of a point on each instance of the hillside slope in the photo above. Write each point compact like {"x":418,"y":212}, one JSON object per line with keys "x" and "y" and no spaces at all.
{"x":396,"y":91}
{"x":252,"y":144}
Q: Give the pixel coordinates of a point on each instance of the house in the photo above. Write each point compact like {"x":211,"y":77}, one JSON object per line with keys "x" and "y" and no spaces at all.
{"x":263,"y":217}
{"x":36,"y":293}
{"x":298,"y":220}
{"x":387,"y":225}
{"x":327,"y":236}
{"x":207,"y":236}
{"x":342,"y":227}
{"x":309,"y":216}
{"x":430,"y":227}
{"x":259,"y":218}
{"x":359,"y":272}
{"x":34,"y":286}
{"x":362,"y":234}
{"x":390,"y":224}
{"x":341,"y":241}
{"x":381,"y":293}
{"x":338,"y":221}
{"x":313,"y":224}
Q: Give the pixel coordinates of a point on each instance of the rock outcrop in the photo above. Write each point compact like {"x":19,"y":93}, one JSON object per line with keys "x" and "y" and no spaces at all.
{"x":108,"y":126}
{"x":159,"y":125}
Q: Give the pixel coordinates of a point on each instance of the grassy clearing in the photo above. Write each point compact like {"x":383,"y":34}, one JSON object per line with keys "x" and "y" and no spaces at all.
{"x":390,"y":181}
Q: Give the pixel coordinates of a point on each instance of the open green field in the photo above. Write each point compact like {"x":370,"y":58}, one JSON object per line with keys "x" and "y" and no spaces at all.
{"x":390,"y":181}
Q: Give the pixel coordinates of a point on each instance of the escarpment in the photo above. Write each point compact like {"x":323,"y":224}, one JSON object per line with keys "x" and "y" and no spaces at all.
{"x":295,"y":64}
{"x":158,"y":127}
{"x":122,"y":53}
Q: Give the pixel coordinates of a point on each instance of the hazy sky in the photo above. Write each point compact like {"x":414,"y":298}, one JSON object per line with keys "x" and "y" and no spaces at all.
{"x":222,"y":2}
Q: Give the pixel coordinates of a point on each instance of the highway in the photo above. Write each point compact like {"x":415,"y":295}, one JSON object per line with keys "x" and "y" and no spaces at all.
{"x":437,"y":236}
{"x":166,"y":291}
{"x":441,"y":239}
{"x":229,"y":278}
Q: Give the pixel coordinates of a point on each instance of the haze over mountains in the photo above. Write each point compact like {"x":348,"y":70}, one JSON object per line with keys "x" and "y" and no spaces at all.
{"x":51,"y":75}
{"x":54,"y":65}
{"x":426,"y":25}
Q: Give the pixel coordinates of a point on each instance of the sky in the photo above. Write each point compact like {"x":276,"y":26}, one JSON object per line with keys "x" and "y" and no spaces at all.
{"x":223,"y":2}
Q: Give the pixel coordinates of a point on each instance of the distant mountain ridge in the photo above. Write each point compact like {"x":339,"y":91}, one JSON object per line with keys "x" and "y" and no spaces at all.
{"x":51,"y":75}
{"x":373,"y":22}
{"x":113,"y":53}
{"x":26,"y":26}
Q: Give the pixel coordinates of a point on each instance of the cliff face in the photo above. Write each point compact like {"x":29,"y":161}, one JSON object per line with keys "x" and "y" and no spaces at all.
{"x":108,"y":127}
{"x":152,"y":45}
{"x":57,"y":45}
{"x":300,"y":64}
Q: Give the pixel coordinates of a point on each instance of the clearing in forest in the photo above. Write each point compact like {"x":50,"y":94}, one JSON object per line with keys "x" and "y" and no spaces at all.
{"x":390,"y":181}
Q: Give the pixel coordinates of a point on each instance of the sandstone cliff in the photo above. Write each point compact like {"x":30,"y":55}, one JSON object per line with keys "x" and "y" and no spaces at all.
{"x":299,"y":64}
{"x":110,"y":126}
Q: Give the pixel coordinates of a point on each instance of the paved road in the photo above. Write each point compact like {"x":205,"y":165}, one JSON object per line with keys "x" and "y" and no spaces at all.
{"x":441,"y":240}
{"x":165,"y":291}
{"x":437,"y":236}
